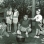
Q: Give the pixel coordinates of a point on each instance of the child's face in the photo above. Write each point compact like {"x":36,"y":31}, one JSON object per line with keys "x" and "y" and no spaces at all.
{"x":10,"y":9}
{"x":37,"y":12}
{"x":25,"y":17}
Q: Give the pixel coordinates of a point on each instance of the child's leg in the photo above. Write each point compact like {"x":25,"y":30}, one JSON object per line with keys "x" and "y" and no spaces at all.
{"x":37,"y":31}
{"x":0,"y":33}
{"x":15,"y":27}
{"x":10,"y":28}
{"x":27,"y":34}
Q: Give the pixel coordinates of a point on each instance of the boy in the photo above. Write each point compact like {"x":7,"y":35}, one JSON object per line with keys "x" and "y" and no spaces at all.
{"x":24,"y":26}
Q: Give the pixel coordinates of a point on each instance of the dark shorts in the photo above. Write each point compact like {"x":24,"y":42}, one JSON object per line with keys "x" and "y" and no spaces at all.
{"x":37,"y":25}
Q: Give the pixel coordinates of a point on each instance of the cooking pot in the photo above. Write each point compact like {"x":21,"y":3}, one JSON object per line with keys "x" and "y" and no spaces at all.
{"x":20,"y":38}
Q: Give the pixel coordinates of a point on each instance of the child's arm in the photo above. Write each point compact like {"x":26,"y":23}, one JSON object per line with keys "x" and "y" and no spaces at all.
{"x":41,"y":27}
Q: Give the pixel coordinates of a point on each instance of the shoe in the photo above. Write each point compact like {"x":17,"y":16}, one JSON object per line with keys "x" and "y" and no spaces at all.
{"x":36,"y":37}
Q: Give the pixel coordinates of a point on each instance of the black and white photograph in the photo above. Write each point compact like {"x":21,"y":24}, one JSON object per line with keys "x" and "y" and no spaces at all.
{"x":21,"y":21}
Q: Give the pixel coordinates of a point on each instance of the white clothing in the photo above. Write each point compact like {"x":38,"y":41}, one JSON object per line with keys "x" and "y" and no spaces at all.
{"x":9,"y":12}
{"x":16,"y":13}
{"x":15,"y":17}
{"x":15,"y":20}
{"x":8,"y":20}
{"x":38,"y":18}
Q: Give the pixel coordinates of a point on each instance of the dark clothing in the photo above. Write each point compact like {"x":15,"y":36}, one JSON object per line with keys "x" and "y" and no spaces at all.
{"x":37,"y":25}
{"x":24,"y":23}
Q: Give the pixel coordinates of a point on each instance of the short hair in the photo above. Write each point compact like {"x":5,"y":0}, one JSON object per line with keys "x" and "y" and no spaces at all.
{"x":25,"y":15}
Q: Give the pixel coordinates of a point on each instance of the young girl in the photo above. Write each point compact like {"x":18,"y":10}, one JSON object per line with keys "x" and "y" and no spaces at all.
{"x":9,"y":19}
{"x":15,"y":19}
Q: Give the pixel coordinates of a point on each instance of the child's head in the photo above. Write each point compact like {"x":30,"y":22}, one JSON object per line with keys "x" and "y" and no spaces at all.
{"x":25,"y":17}
{"x":38,"y":11}
{"x":15,"y":9}
{"x":10,"y":9}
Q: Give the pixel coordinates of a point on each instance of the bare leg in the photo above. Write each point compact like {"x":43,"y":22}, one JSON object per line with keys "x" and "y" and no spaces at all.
{"x":10,"y":27}
{"x":15,"y":27}
{"x":37,"y":31}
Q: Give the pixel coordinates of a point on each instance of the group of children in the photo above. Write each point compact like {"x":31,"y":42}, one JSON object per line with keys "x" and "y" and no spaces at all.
{"x":12,"y":17}
{"x":23,"y":26}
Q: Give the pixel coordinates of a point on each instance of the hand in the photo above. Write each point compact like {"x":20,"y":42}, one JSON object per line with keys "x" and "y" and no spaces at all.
{"x":18,"y":32}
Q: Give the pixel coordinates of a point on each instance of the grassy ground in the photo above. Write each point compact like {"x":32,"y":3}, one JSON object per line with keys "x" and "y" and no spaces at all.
{"x":12,"y":38}
{"x":29,"y":40}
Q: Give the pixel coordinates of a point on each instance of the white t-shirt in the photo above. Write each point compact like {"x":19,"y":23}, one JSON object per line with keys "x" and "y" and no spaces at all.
{"x":38,"y":18}
{"x":15,"y":17}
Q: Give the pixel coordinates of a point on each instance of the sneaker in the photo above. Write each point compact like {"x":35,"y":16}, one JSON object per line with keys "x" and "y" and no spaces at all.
{"x":36,"y":37}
